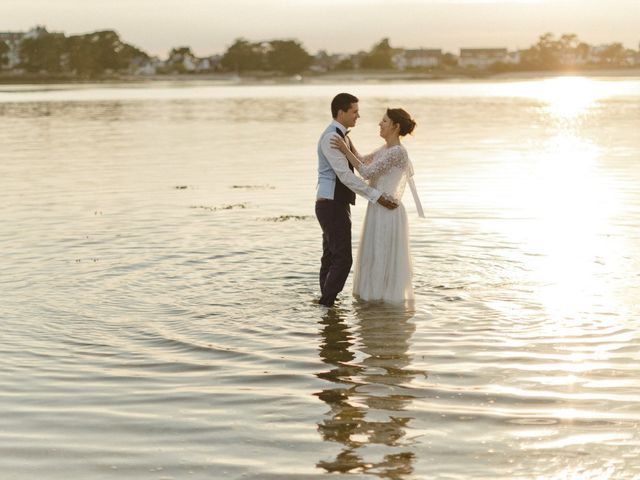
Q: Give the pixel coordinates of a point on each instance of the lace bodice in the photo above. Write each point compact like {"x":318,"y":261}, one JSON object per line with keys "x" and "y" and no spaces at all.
{"x":386,"y":169}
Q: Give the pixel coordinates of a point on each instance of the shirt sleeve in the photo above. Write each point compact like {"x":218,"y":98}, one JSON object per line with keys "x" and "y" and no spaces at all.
{"x":340,"y":166}
{"x":393,"y":157}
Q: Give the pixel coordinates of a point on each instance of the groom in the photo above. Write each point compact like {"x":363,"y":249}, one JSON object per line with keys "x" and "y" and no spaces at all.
{"x":337,"y":186}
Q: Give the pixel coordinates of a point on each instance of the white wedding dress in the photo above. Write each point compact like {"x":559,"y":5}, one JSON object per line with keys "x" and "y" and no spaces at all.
{"x":383,"y":269}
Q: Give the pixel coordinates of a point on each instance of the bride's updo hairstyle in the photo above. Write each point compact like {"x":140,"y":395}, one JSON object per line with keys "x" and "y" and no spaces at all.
{"x":402,"y":118}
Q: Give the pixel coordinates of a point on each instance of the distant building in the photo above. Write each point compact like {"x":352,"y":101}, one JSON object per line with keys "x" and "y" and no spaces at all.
{"x":189,"y":63}
{"x":181,"y":60}
{"x":145,"y":66}
{"x":13,"y":41}
{"x":208,"y":64}
{"x":36,"y":32}
{"x":595,"y":53}
{"x":513,"y":58}
{"x":417,"y":58}
{"x":357,"y":58}
{"x":324,"y":62}
{"x":483,"y":57}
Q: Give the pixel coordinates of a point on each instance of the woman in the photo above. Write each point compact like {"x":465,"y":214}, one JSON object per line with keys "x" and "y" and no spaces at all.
{"x":383,"y":268}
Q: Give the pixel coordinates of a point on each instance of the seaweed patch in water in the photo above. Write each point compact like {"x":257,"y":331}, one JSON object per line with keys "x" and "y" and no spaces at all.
{"x":251,"y":187}
{"x":221,"y":207}
{"x":284,"y":218}
{"x":181,"y":187}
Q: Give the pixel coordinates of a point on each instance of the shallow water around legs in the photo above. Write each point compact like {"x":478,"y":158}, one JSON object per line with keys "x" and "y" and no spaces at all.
{"x":159,"y":275}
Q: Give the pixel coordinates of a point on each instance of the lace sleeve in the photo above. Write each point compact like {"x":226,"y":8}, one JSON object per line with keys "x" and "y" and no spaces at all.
{"x":383,"y":160}
{"x":368,"y":158}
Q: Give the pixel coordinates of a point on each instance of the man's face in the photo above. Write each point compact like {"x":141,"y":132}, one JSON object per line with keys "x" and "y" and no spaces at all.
{"x":350,"y":117}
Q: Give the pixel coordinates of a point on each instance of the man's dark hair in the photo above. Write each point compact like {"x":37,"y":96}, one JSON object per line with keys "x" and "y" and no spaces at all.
{"x":343,"y":102}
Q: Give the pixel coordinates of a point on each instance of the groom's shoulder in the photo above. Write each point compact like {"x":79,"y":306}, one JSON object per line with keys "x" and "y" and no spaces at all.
{"x":328,"y":128}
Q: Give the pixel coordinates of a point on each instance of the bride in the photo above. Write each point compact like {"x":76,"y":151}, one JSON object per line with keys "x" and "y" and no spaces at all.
{"x":383,"y":268}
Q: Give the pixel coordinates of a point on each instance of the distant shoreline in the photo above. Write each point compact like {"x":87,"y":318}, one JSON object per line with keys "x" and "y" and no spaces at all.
{"x":343,"y":77}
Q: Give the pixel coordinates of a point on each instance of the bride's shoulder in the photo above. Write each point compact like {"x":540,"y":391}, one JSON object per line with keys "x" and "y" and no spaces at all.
{"x":401,"y":148}
{"x":396,"y":148}
{"x":398,"y":151}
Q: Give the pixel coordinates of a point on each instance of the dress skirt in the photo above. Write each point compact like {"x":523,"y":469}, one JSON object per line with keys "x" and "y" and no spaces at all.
{"x":383,"y":269}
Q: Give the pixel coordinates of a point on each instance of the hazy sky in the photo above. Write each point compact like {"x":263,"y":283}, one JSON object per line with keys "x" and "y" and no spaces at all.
{"x":210,"y":26}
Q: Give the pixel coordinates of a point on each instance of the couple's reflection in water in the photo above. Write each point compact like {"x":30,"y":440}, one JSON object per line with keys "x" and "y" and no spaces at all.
{"x":368,"y":364}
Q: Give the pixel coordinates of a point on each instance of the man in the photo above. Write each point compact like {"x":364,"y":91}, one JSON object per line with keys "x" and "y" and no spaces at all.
{"x":337,"y":186}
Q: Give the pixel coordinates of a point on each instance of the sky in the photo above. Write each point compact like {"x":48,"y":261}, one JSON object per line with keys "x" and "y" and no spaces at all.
{"x":338,"y":26}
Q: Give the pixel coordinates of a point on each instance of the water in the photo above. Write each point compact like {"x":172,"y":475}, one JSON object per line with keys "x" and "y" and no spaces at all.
{"x":159,"y":268}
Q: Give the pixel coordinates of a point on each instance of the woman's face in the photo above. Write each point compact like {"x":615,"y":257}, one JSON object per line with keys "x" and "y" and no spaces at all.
{"x":387,"y":127}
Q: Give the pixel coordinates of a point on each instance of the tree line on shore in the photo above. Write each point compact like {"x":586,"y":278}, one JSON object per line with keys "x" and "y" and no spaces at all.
{"x":99,"y":53}
{"x":104,"y":52}
{"x":84,"y":55}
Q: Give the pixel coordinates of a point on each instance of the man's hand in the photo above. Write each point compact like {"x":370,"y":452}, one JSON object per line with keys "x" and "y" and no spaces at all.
{"x":386,"y":202}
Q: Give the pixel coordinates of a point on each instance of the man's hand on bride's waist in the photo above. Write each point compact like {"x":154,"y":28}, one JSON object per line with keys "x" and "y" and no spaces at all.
{"x":387,"y":202}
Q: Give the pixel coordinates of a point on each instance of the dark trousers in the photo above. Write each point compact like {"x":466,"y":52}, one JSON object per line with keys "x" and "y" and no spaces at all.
{"x":335,"y":220}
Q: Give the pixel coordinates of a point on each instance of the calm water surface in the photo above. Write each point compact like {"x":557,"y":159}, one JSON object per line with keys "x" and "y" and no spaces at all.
{"x":159,"y":261}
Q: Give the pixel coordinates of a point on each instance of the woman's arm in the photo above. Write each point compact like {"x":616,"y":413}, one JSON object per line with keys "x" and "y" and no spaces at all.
{"x":366,"y":159}
{"x":384,"y":161}
{"x":337,"y":142}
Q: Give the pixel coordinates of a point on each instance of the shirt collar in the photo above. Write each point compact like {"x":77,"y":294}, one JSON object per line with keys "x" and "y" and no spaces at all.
{"x":338,"y":125}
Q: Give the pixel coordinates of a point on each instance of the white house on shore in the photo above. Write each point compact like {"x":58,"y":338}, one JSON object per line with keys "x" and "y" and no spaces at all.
{"x":513,"y":58}
{"x":417,"y":58}
{"x":208,"y":64}
{"x":145,"y":66}
{"x":484,"y":57}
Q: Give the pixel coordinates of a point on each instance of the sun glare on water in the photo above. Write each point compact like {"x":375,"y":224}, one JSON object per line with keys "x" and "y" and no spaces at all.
{"x":568,"y":97}
{"x":571,"y":203}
